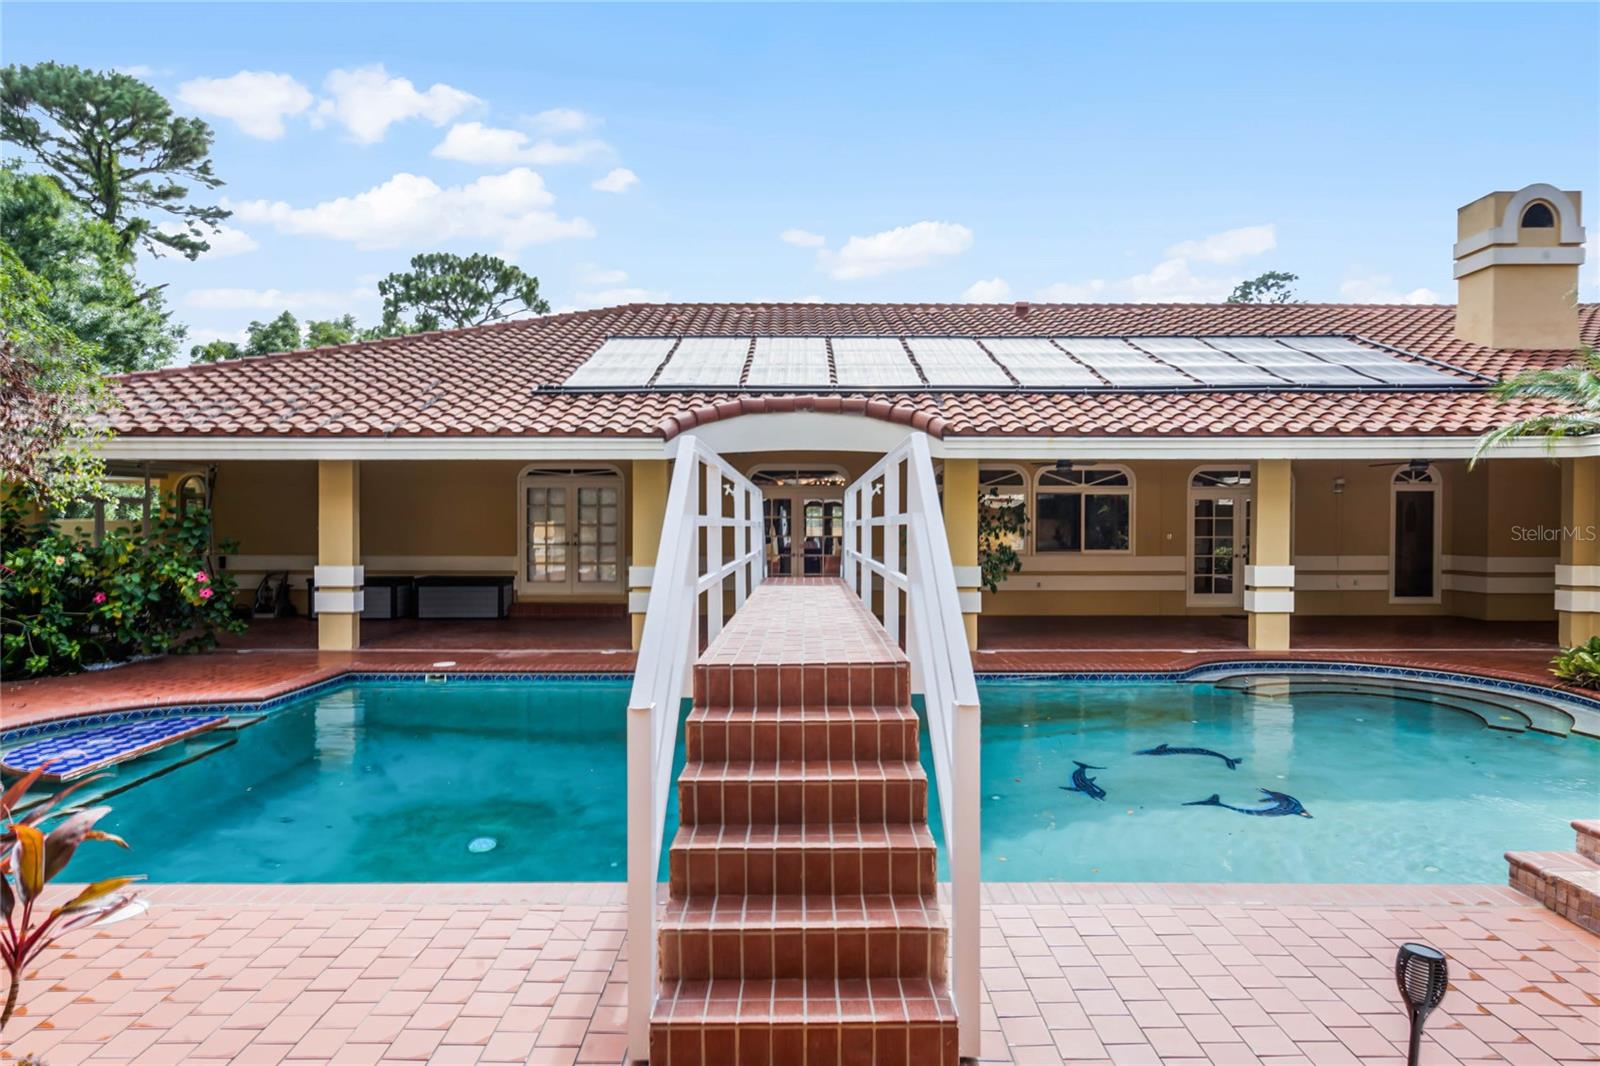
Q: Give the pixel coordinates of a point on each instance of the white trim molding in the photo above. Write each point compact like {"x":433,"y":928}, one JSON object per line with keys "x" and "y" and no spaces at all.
{"x":1502,"y":255}
{"x":1578,"y":601}
{"x":340,"y":601}
{"x":971,"y":601}
{"x":969,"y":577}
{"x":1269,"y":601}
{"x":342,"y":577}
{"x":641,"y":577}
{"x":1578,"y":575}
{"x":1276,"y":577}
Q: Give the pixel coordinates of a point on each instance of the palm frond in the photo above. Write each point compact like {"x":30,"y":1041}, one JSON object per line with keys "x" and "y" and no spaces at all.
{"x":1577,"y":387}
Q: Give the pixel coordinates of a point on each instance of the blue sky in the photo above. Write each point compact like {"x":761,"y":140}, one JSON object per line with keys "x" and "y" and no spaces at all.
{"x":878,"y":153}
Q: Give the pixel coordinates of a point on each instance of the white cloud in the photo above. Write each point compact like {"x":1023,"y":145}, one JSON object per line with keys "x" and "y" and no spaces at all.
{"x":136,"y":70}
{"x":562,"y":120}
{"x":301,"y":302}
{"x":597,"y":276}
{"x":225,"y":241}
{"x":257,"y":101}
{"x":1174,"y":279}
{"x":367,"y":101}
{"x":408,"y":211}
{"x":992,"y":291}
{"x":1380,"y":289}
{"x":1229,"y":246}
{"x":619,"y":180}
{"x":609,"y":297}
{"x":902,"y":248}
{"x":473,"y":142}
{"x":206,"y":336}
{"x":802,"y":238}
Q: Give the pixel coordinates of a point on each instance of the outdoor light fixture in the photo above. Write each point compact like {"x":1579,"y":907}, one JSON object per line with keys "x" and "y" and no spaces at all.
{"x":1063,"y":466}
{"x":1422,"y":974}
{"x":1418,"y":466}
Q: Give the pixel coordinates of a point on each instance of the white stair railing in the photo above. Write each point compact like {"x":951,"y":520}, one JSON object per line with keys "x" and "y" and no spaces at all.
{"x":895,"y":548}
{"x":691,"y":579}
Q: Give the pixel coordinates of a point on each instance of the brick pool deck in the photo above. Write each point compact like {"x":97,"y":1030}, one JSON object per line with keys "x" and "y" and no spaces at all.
{"x":1229,"y":974}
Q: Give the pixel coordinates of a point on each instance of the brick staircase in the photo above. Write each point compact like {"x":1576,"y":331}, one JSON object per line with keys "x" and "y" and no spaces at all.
{"x":1566,"y":882}
{"x":802,"y":925}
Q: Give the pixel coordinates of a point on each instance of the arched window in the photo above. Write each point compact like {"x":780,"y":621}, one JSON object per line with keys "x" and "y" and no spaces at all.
{"x":191,"y":493}
{"x":1538,"y":215}
{"x":1084,"y":509}
{"x":1414,"y":550}
{"x":570,"y":533}
{"x":1003,"y":505}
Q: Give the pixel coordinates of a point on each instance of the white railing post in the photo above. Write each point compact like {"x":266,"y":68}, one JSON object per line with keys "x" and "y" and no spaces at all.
{"x":935,"y":642}
{"x":663,"y":675}
{"x":847,"y":558}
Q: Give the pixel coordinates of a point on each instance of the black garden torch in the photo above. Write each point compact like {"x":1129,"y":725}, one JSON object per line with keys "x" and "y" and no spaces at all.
{"x":1422,"y":973}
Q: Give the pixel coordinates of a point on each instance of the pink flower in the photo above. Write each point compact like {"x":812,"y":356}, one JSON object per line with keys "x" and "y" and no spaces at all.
{"x":205,"y":594}
{"x":200,"y":576}
{"x":99,"y":597}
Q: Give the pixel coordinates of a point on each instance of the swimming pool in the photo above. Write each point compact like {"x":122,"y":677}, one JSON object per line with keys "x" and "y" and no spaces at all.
{"x":523,"y":780}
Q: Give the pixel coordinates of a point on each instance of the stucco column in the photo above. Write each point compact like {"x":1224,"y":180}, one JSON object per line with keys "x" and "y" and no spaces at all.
{"x":647,"y":510}
{"x":1578,"y":573}
{"x":961,"y":530}
{"x":1269,"y":575}
{"x":339,"y":575}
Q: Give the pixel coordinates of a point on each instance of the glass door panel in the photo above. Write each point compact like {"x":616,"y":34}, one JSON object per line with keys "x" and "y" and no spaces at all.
{"x":778,"y":515}
{"x":598,"y":535}
{"x":1216,"y":546}
{"x":548,"y":535}
{"x":824,"y":538}
{"x":1413,"y":544}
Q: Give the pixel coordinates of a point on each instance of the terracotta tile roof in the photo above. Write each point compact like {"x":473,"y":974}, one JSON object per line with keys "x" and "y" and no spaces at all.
{"x":486,"y":381}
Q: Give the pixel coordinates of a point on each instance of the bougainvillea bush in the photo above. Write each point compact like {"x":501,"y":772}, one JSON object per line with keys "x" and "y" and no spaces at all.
{"x":67,"y":602}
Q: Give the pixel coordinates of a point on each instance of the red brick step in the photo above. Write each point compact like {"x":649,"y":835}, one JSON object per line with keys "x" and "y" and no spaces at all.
{"x":803,"y":936}
{"x":807,"y":733}
{"x":802,"y":793}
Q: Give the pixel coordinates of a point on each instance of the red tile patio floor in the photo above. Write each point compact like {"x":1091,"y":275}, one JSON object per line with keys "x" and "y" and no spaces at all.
{"x":1227,"y":974}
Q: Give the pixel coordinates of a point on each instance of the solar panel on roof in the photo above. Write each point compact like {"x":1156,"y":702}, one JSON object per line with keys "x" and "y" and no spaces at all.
{"x":781,"y":362}
{"x":1035,"y":362}
{"x":956,"y":361}
{"x":1162,"y":345}
{"x":873,"y":363}
{"x":1121,"y":363}
{"x":714,"y":362}
{"x":1340,"y":345}
{"x":621,"y":362}
{"x":1211,"y":367}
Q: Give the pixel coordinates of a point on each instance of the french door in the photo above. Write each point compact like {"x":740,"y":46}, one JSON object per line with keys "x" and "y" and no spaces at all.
{"x":804,"y":530}
{"x":572,"y":534}
{"x":1220,"y":505}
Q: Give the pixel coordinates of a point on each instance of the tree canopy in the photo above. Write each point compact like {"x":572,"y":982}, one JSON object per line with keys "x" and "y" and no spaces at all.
{"x":93,"y":291}
{"x":116,"y":146}
{"x":1272,"y":287}
{"x":447,"y":291}
{"x":52,"y":389}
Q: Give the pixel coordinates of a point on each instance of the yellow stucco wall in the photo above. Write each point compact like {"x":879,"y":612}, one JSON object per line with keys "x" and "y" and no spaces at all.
{"x":459,"y":511}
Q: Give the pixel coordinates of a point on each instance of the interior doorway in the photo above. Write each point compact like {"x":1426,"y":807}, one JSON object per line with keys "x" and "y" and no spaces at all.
{"x":803,"y":517}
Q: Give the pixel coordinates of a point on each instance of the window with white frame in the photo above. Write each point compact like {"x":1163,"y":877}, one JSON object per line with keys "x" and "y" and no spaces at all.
{"x":1083,"y":509}
{"x":1220,"y":504}
{"x":571,"y":533}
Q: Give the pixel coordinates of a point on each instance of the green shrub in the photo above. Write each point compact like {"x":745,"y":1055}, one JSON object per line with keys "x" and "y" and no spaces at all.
{"x":1579,"y":665}
{"x":67,"y":603}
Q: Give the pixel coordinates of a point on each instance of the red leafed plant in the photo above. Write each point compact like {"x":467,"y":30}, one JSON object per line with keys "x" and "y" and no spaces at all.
{"x":30,"y":858}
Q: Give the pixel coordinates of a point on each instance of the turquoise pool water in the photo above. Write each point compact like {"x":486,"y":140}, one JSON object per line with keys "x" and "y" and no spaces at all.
{"x":401,"y":781}
{"x":1398,"y":790}
{"x":393,"y":781}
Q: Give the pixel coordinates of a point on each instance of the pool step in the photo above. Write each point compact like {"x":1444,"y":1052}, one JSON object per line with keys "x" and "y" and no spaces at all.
{"x":802,"y":936}
{"x":1566,"y":882}
{"x":772,"y":734}
{"x":708,"y":860}
{"x":802,"y":793}
{"x":764,"y":685}
{"x":883,"y":1021}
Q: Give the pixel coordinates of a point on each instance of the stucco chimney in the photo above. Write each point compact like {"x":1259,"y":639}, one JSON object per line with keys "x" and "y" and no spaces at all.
{"x":1517,"y":257}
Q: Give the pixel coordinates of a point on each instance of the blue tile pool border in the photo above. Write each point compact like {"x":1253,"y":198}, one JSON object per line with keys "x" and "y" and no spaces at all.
{"x":1201,"y":672}
{"x":273,"y":703}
